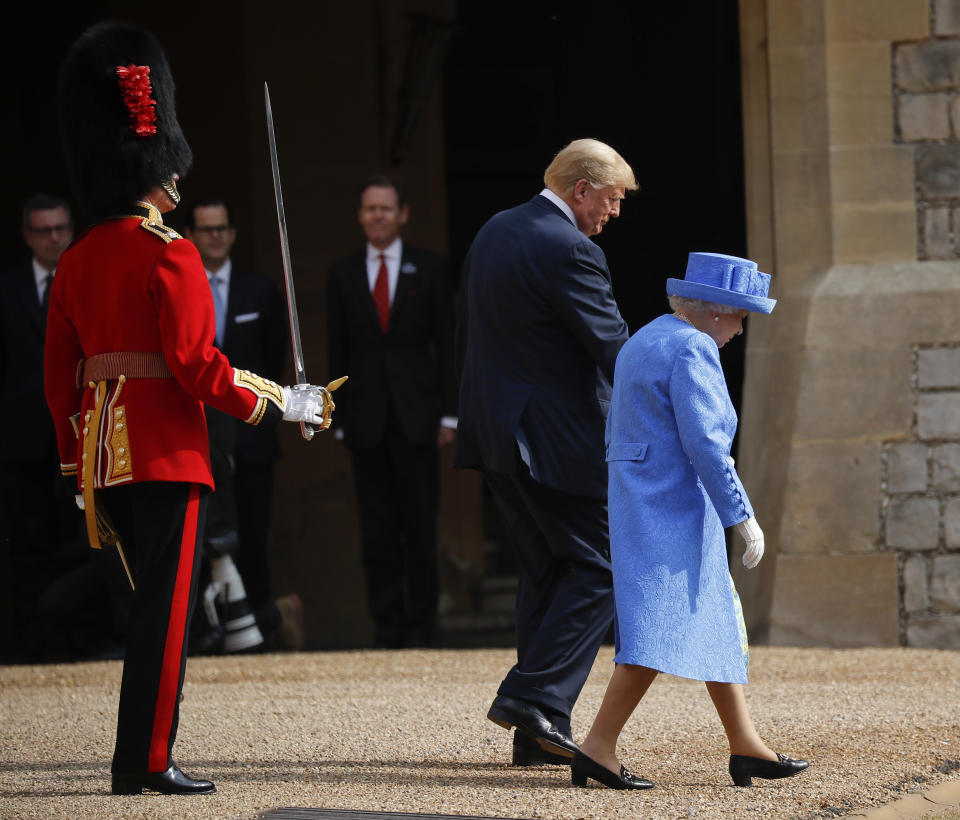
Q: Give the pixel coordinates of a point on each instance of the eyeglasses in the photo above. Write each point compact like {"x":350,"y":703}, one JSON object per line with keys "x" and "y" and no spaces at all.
{"x":50,"y":230}
{"x":212,"y":229}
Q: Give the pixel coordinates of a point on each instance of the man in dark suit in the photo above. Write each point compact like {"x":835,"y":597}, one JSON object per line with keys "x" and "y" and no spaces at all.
{"x":539,"y":335}
{"x":252,"y":333}
{"x":390,"y":324}
{"x":39,"y":512}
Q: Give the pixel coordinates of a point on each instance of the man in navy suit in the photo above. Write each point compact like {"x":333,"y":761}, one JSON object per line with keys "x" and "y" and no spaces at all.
{"x":538,"y":338}
{"x":39,"y":511}
{"x":390,"y":318}
{"x":252,"y":332}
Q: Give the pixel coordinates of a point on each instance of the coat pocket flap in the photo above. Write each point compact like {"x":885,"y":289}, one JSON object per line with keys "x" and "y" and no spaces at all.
{"x":626,"y":451}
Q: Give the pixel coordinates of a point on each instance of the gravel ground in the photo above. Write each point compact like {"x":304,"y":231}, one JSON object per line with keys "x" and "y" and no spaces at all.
{"x":405,"y":731}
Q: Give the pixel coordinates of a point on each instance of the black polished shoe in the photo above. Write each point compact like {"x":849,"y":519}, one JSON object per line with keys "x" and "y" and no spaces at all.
{"x":742,"y":768}
{"x":524,"y":756}
{"x":583,"y":767}
{"x":529,"y":719}
{"x":172,"y":781}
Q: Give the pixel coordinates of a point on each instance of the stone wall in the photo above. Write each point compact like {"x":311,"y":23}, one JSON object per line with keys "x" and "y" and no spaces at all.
{"x":850,"y":433}
{"x":927,"y":90}
{"x":920,"y":503}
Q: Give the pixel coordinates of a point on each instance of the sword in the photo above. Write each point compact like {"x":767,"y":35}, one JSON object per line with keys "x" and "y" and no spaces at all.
{"x":108,"y":535}
{"x":305,"y":429}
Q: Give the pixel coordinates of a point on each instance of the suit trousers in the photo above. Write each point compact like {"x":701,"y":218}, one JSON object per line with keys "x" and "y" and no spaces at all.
{"x":39,"y":524}
{"x":565,"y":589}
{"x":253,"y":491}
{"x":398,"y":485}
{"x":160,"y":525}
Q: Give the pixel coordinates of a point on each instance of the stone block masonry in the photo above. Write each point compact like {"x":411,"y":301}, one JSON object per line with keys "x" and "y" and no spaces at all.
{"x":926,"y":88}
{"x":920,"y":503}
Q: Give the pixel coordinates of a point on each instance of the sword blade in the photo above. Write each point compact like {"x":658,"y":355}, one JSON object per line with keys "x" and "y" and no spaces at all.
{"x":305,"y":429}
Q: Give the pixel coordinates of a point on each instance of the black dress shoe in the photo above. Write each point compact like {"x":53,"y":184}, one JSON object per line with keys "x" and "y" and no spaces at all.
{"x":583,"y":767}
{"x":742,"y":768}
{"x":529,"y":719}
{"x":172,"y":781}
{"x":527,"y":752}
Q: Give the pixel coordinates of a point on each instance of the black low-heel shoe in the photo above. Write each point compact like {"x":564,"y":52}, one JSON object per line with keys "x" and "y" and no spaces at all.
{"x":582,"y":767}
{"x":742,"y":768}
{"x":172,"y":781}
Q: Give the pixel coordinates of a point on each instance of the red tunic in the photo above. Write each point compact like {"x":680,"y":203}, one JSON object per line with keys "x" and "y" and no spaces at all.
{"x":132,"y":284}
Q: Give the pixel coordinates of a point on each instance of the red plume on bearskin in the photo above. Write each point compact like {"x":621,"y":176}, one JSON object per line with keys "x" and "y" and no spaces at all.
{"x":135,"y":87}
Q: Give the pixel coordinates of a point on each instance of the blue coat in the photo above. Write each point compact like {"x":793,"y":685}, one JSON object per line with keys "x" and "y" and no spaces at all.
{"x":672,"y":491}
{"x":538,"y":338}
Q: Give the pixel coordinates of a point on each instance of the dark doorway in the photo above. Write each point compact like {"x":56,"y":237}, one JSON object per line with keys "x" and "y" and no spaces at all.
{"x":659,"y":82}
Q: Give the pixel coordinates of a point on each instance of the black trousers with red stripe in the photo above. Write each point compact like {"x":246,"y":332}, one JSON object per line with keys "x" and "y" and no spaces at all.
{"x":160,"y":524}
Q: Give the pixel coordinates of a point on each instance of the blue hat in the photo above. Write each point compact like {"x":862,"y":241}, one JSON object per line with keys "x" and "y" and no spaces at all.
{"x":725,"y":280}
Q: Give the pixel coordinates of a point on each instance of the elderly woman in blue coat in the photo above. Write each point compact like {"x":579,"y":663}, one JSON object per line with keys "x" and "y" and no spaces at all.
{"x":672,"y":491}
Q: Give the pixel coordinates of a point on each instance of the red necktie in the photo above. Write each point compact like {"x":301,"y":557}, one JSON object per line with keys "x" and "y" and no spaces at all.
{"x":381,"y":295}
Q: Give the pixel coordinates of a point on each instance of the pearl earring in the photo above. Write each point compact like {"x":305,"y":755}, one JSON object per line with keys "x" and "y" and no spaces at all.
{"x":716,"y":318}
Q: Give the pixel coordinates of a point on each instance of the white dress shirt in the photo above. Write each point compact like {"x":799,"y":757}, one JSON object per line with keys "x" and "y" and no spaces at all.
{"x":40,"y":274}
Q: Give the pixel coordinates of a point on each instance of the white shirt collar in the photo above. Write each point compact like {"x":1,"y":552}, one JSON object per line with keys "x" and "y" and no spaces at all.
{"x":393,"y":251}
{"x":548,"y":194}
{"x":224,"y":273}
{"x":40,"y":273}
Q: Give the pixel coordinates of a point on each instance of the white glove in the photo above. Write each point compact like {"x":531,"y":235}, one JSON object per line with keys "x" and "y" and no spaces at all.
{"x":306,"y":402}
{"x":753,"y":537}
{"x":79,"y":499}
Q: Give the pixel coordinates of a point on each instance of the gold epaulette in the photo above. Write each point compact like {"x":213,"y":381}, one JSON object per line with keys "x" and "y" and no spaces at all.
{"x":166,"y":233}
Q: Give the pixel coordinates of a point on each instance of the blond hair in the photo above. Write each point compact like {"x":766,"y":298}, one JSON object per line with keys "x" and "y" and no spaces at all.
{"x":591,"y":160}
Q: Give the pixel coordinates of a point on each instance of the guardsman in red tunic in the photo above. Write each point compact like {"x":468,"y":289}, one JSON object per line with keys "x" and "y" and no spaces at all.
{"x":129,"y":364}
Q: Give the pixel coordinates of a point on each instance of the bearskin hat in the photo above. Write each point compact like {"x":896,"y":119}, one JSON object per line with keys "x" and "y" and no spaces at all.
{"x":117,"y":117}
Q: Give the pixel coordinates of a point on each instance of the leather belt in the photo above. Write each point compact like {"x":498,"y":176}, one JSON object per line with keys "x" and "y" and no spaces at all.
{"x":130,"y":363}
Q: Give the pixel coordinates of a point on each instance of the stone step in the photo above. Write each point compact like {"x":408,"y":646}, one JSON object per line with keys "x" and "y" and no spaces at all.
{"x":492,"y":623}
{"x":497,"y":594}
{"x":476,"y":630}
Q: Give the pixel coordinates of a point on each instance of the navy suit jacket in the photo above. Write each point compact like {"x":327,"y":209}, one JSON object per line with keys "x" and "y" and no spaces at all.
{"x":538,"y":338}
{"x":26,"y":428}
{"x":255,"y":338}
{"x":411,"y":368}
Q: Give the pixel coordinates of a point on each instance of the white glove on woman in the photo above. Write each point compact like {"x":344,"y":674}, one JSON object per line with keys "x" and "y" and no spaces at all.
{"x":753,"y":537}
{"x":306,"y":402}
